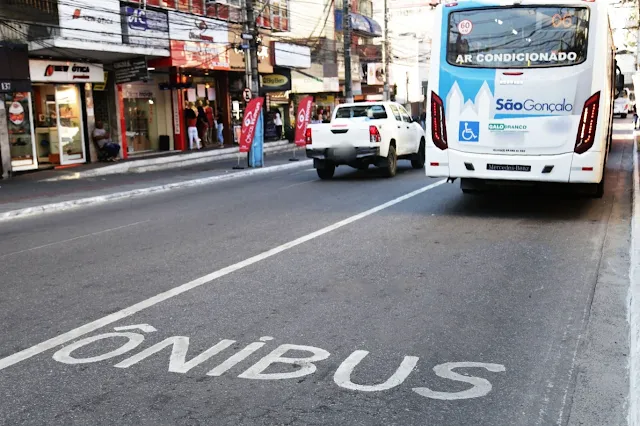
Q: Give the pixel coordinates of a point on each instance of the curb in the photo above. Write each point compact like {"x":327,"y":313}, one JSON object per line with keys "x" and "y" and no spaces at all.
{"x":166,"y":163}
{"x":634,"y":296}
{"x":83,"y":202}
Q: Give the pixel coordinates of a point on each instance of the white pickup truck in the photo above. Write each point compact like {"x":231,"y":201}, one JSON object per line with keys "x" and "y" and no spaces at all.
{"x":365,"y":133}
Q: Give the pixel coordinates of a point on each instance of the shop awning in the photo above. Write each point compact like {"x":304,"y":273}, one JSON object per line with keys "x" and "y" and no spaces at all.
{"x":360,"y":25}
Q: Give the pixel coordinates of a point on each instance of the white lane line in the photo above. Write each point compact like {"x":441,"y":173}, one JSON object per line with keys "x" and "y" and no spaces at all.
{"x":126,"y":312}
{"x":73,"y":239}
{"x":296,"y":184}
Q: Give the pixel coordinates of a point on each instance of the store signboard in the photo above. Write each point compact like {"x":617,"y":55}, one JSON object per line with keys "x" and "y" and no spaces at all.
{"x":279,"y":81}
{"x":291,"y":55}
{"x":142,"y":27}
{"x":81,"y":20}
{"x":198,"y":42}
{"x":131,"y":70}
{"x":42,"y":70}
{"x":311,"y":80}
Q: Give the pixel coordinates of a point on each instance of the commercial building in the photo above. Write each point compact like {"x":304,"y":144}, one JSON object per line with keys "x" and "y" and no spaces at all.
{"x":132,"y":66}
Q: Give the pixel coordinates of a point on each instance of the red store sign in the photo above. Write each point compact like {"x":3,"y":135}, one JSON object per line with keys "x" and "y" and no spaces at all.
{"x":196,"y":42}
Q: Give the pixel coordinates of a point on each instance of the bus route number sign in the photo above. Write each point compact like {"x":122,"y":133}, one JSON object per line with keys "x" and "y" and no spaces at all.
{"x":465,"y":27}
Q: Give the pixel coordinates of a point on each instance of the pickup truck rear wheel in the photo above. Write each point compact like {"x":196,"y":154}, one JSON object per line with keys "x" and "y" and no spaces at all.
{"x":418,"y":159}
{"x":326,"y":172}
{"x":392,"y":162}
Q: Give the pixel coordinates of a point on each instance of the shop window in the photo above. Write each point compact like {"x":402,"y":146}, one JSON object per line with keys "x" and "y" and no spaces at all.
{"x":235,"y":14}
{"x":365,"y":7}
{"x":20,"y":126}
{"x":183,"y":5}
{"x":279,"y":15}
{"x":197,"y":7}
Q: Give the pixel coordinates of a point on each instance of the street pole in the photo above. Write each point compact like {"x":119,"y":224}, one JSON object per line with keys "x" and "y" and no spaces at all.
{"x":247,"y":60}
{"x":346,"y":27}
{"x":252,"y":58}
{"x":386,"y":51}
{"x":255,"y":156}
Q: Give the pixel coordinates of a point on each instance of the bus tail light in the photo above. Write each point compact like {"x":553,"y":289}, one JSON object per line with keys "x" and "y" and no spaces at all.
{"x":588,"y":124}
{"x":438,"y":124}
{"x":374,"y":134}
{"x":307,"y":136}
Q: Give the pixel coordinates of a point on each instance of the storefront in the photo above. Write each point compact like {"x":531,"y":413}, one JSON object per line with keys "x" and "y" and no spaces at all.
{"x":319,"y":81}
{"x":198,"y":55}
{"x":60,"y":108}
{"x":146,"y":116}
{"x":279,"y":82}
{"x":15,"y":90}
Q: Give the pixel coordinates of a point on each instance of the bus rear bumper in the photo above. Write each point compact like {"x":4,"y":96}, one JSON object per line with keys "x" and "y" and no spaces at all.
{"x":569,"y":167}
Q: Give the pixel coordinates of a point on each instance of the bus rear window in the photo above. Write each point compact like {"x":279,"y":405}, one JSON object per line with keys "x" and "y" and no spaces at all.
{"x":518,"y":37}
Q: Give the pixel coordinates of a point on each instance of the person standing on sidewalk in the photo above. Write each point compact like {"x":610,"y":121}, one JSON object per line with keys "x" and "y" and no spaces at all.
{"x":192,"y":129}
{"x":211,"y":121}
{"x":278,"y":122}
{"x":203,"y":124}
{"x":220,"y":128}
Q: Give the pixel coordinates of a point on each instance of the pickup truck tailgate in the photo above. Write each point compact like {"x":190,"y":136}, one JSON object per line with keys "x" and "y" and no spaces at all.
{"x":341,"y":133}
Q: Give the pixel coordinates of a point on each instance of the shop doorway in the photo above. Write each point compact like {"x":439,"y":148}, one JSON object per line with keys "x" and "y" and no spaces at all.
{"x":59,"y":124}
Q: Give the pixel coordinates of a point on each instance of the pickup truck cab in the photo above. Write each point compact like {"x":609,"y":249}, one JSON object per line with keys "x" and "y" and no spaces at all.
{"x":365,"y":133}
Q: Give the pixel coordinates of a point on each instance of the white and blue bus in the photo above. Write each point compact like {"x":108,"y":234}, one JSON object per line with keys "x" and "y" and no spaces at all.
{"x":521,"y":91}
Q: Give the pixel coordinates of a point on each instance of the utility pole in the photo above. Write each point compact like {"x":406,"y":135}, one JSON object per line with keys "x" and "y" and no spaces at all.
{"x":346,"y":31}
{"x":386,"y":51}
{"x":251,"y":54}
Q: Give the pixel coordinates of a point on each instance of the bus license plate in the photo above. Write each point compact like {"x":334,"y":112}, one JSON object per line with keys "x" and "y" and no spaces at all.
{"x":508,"y":168}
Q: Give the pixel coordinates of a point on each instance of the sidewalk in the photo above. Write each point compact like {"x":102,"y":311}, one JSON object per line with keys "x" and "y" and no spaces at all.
{"x":159,"y":161}
{"x":29,"y":193}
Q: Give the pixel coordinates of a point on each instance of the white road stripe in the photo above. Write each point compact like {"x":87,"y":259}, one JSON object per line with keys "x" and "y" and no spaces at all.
{"x":140,"y":306}
{"x":73,"y":239}
{"x":296,"y":184}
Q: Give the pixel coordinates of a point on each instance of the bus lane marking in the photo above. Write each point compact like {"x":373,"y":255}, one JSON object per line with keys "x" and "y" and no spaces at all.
{"x":176,"y":291}
{"x":301,"y":365}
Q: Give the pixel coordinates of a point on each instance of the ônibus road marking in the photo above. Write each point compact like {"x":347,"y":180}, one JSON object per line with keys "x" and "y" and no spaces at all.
{"x":154,"y":300}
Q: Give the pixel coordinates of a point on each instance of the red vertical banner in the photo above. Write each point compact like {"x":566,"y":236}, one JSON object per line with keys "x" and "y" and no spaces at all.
{"x":302,"y":119}
{"x":124,"y":142}
{"x":249,"y":122}
{"x":177,"y":108}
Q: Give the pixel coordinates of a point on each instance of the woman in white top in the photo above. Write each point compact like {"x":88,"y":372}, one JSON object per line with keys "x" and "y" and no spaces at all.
{"x":278,"y":122}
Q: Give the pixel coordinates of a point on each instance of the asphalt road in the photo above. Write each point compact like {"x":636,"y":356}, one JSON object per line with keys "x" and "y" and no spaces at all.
{"x":434,"y":308}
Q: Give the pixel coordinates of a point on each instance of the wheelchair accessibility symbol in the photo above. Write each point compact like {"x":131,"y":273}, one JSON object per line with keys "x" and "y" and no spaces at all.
{"x":469,"y":131}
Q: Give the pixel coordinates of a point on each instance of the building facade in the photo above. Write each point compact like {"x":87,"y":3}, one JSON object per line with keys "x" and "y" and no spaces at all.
{"x":132,"y":66}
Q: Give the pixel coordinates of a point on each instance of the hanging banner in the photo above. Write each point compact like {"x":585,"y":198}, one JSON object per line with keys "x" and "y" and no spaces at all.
{"x":249,"y":123}
{"x":302,"y":120}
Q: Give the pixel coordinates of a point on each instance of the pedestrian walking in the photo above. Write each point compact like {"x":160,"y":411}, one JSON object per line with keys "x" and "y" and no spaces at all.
{"x":203,"y":124}
{"x":278,"y":122}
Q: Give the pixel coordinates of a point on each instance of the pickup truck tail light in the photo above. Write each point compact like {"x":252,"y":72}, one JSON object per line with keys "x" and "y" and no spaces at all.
{"x":307,"y":136}
{"x":588,"y":124}
{"x":438,"y":124}
{"x":374,"y":135}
